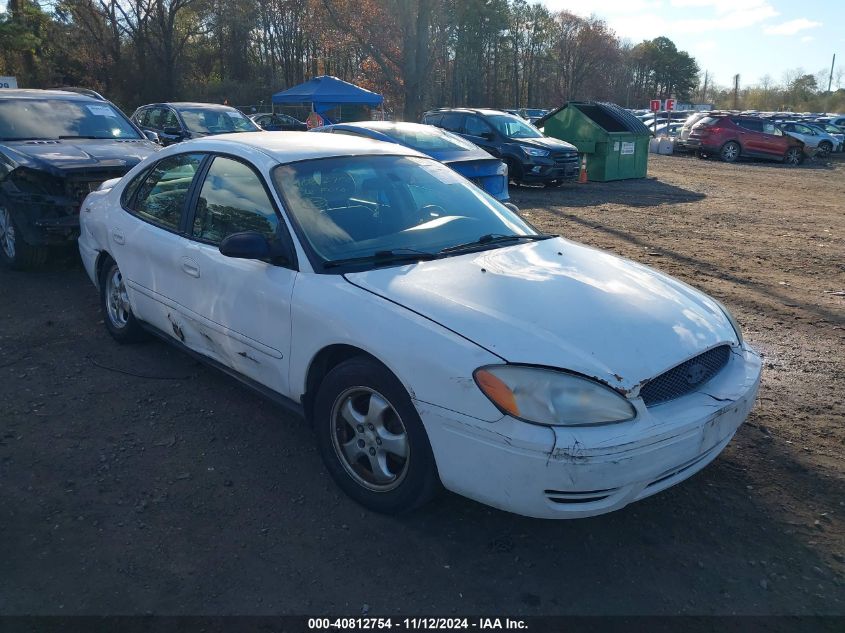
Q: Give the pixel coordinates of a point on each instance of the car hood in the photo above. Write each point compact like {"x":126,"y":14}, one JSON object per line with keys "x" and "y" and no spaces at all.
{"x":561,"y":304}
{"x":546,"y":142}
{"x":64,"y":155}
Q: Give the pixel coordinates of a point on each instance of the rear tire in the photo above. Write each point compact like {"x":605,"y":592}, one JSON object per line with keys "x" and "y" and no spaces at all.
{"x":372,"y":440}
{"x":15,"y":253}
{"x":730,"y":152}
{"x":115,"y":307}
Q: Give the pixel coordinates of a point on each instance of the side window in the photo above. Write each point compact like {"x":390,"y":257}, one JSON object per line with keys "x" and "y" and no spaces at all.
{"x":153,"y":118}
{"x":475,"y":126}
{"x":140,"y":117}
{"x":130,"y":189}
{"x":433,"y":119}
{"x":161,"y":197}
{"x":770,"y":128}
{"x":452,"y":121}
{"x":750,"y":124}
{"x":232,"y":199}
{"x":169,"y":119}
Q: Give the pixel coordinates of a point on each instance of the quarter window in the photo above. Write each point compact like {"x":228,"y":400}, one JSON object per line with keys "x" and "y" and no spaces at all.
{"x":232,"y":199}
{"x":161,"y":198}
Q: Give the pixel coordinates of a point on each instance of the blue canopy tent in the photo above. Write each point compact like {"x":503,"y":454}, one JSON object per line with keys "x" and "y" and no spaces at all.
{"x":325,"y":93}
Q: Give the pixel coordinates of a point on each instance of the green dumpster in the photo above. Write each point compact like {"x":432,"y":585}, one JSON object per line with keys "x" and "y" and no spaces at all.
{"x":614,"y":141}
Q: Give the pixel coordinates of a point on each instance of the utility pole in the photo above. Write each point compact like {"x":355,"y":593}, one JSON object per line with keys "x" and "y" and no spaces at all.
{"x":736,"y":91}
{"x":830,"y":80}
{"x":704,"y":89}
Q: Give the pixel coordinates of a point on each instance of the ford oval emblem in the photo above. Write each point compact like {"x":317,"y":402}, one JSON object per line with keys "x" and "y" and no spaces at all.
{"x":695,"y":374}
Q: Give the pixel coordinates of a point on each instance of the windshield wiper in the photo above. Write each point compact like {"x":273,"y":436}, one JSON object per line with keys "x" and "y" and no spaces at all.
{"x":496,"y":238}
{"x":383,"y":257}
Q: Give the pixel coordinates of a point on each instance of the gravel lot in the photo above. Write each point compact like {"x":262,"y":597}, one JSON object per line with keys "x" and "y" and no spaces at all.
{"x":135,"y":480}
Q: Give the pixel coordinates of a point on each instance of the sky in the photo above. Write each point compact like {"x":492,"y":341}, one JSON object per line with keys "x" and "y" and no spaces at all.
{"x":750,"y":37}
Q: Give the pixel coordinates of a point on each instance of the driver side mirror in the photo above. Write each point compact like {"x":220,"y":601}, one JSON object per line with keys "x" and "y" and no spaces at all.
{"x":152,"y":136}
{"x":253,"y":245}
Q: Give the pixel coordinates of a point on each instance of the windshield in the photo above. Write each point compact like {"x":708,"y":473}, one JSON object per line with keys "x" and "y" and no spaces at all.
{"x":22,"y":119}
{"x":427,"y":138}
{"x":511,"y":126}
{"x":358,"y":206}
{"x":216,"y":121}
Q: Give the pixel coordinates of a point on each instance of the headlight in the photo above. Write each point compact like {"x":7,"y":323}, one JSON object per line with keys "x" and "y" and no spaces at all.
{"x":549,"y":397}
{"x":533,"y":151}
{"x":731,"y":320}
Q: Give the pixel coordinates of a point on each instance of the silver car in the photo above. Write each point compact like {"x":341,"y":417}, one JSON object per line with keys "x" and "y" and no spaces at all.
{"x":819,"y":140}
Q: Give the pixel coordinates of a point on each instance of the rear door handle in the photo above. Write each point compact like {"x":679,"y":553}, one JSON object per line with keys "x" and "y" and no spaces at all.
{"x":190,"y":267}
{"x":117,"y":236}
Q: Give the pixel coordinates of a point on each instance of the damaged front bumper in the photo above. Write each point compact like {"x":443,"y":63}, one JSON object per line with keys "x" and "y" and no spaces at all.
{"x":566,"y":472}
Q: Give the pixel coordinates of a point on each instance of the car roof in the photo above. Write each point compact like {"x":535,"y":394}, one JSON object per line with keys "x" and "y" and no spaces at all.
{"x":288,"y":147}
{"x":387,"y":126}
{"x":29,"y":93}
{"x":470,"y":111}
{"x":188,"y":104}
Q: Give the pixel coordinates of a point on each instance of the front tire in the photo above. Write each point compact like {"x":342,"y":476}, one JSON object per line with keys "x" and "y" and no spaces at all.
{"x":514,"y":171}
{"x":15,"y":253}
{"x":794,"y":156}
{"x":730,"y":152}
{"x":115,"y":306}
{"x":825,"y":149}
{"x":372,"y":440}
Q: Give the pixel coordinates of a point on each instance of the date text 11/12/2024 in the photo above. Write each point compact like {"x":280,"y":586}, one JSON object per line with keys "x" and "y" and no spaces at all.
{"x":416,"y":624}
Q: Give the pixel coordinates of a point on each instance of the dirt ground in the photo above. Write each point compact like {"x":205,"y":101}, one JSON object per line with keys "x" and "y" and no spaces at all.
{"x":134,"y":480}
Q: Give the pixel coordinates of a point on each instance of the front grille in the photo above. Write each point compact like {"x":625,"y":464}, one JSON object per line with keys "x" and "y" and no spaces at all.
{"x":567,"y":157}
{"x":685,"y":377}
{"x":576,"y":497}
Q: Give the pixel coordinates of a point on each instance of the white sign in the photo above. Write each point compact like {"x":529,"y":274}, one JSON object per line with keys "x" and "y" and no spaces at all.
{"x":101,"y":110}
{"x":627,"y":148}
{"x":616,"y":146}
{"x":8,"y":82}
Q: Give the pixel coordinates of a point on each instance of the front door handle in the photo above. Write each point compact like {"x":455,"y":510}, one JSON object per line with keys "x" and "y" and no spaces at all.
{"x":117,"y":236}
{"x":190,"y":267}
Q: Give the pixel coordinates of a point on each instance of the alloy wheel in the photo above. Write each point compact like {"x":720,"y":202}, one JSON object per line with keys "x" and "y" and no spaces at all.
{"x":7,"y":233}
{"x":370,"y":439}
{"x":730,"y":152}
{"x":117,"y":300}
{"x":793,"y":156}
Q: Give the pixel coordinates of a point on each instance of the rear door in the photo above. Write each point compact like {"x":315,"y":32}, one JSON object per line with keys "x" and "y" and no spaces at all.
{"x":147,"y":243}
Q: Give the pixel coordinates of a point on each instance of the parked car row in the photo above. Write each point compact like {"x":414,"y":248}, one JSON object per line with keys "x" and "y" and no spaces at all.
{"x":730,"y":136}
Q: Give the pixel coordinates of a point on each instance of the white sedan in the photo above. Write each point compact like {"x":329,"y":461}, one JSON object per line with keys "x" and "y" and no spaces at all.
{"x":431,"y":335}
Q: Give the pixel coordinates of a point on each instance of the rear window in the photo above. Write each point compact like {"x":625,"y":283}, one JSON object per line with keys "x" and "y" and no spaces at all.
{"x":709,"y":120}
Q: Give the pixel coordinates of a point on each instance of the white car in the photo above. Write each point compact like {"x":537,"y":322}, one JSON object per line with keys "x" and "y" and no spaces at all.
{"x":430,"y":334}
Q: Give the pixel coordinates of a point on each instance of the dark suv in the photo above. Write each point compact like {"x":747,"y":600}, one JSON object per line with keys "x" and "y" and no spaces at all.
{"x":530,"y":156}
{"x":731,"y":136}
{"x":175,"y":122}
{"x":56,"y":147}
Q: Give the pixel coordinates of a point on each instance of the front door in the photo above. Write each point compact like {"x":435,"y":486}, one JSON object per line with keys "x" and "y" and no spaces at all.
{"x":240,"y":308}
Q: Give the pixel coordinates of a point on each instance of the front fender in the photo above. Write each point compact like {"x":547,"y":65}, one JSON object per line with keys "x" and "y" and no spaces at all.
{"x":433,"y":363}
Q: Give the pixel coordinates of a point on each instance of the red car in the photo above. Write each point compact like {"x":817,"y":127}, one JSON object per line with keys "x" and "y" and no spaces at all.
{"x":731,"y":137}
